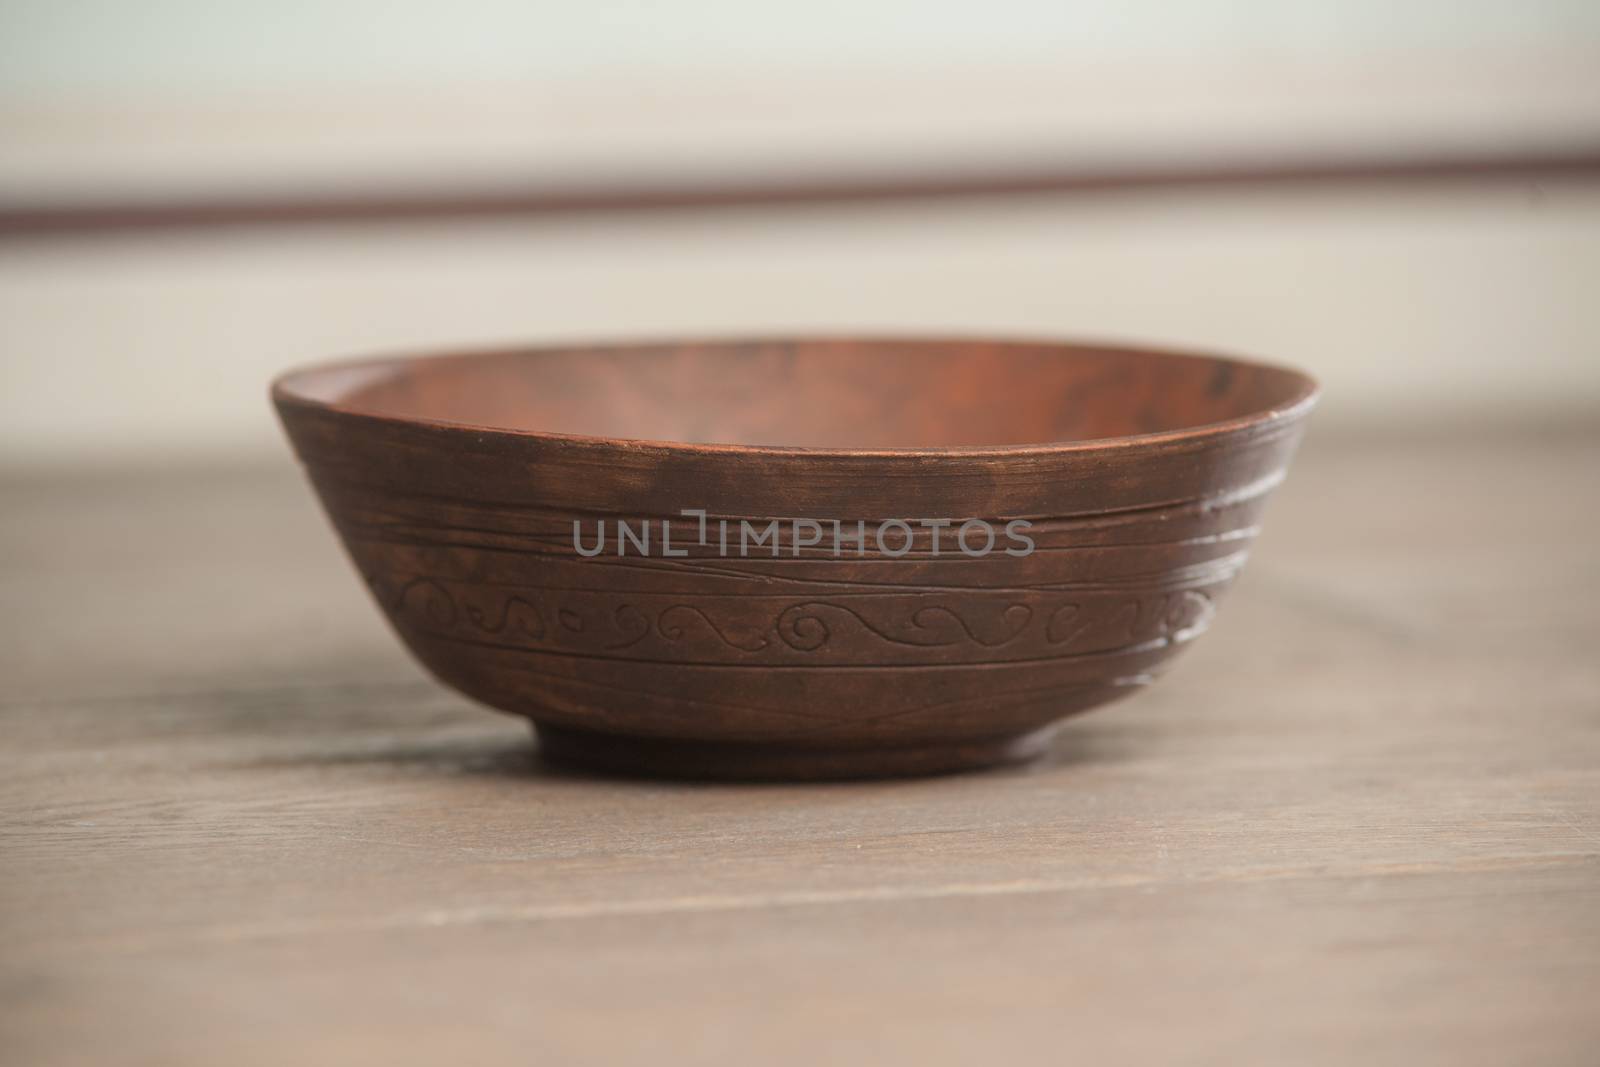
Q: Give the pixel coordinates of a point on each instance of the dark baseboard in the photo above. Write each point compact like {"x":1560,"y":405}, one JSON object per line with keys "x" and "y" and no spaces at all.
{"x":25,"y":220}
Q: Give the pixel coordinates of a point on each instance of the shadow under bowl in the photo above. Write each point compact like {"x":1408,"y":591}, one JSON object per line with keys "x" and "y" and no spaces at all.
{"x":796,"y":558}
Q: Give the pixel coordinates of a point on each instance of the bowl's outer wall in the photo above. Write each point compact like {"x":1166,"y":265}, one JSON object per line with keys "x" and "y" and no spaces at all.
{"x":465,"y":538}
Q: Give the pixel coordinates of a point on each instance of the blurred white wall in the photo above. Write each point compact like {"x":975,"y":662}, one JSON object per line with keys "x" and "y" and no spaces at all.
{"x":1456,"y":300}
{"x":196,"y":95}
{"x":1473,"y":302}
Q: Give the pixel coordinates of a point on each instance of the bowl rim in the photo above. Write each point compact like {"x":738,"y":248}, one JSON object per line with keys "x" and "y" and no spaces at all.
{"x":286,"y":392}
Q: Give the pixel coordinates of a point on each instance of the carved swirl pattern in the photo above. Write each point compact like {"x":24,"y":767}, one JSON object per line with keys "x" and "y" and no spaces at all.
{"x":670,"y":624}
{"x":804,"y":627}
{"x":588,"y":620}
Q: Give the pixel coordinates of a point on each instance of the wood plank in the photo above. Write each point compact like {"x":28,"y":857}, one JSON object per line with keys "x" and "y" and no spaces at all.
{"x":1361,"y":820}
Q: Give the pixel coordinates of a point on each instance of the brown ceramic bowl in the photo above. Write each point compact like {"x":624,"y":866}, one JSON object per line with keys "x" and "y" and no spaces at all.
{"x":456,"y":482}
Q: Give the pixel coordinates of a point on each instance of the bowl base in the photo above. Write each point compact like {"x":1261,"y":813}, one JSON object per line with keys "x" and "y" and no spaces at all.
{"x":660,"y":757}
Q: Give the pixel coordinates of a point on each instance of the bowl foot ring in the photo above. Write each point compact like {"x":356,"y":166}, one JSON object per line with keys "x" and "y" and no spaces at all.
{"x":659,"y":757}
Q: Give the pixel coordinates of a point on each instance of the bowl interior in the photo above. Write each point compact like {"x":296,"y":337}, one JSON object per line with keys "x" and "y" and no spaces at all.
{"x":824,"y":394}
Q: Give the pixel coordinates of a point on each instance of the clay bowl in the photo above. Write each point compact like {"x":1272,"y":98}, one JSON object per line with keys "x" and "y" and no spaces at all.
{"x":456,"y":483}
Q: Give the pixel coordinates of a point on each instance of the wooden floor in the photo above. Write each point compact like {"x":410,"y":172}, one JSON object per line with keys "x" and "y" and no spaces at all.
{"x":1359,"y":824}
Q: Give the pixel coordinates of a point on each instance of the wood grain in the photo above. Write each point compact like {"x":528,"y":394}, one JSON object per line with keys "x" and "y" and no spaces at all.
{"x":1360,"y":823}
